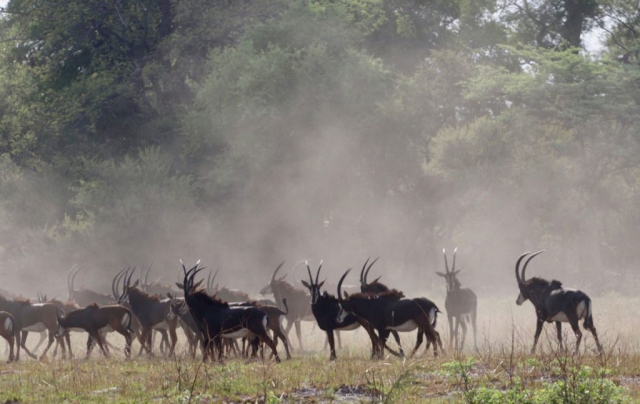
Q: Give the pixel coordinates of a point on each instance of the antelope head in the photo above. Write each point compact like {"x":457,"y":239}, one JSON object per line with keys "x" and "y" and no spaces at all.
{"x":269,"y":289}
{"x":450,"y":274}
{"x":314,"y":287}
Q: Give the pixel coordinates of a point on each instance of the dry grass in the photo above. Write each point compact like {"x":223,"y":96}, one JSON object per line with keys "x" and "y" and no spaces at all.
{"x":502,"y":366}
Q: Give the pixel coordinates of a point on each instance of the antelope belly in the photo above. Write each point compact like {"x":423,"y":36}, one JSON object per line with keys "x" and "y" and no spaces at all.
{"x":560,"y":317}
{"x":243,"y":333}
{"x":37,"y":327}
{"x":106,"y":329}
{"x":161,"y":326}
{"x":404,"y":327}
{"x":349,"y":327}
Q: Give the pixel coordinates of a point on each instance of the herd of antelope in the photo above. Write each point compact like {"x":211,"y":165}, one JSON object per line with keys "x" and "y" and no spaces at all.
{"x":214,"y":319}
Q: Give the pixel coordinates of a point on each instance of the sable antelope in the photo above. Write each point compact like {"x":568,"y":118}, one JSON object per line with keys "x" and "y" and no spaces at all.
{"x":84,"y":297}
{"x":553,"y":302}
{"x":96,"y":321}
{"x":226,"y":294}
{"x":192,"y":332}
{"x":299,"y":302}
{"x":217,"y":320}
{"x":388,"y":311}
{"x":155,"y":287}
{"x":461,"y":304}
{"x":377,"y":287}
{"x":7,"y":332}
{"x":325,"y":308}
{"x":274,"y":315}
{"x":31,"y":317}
{"x":151,"y":311}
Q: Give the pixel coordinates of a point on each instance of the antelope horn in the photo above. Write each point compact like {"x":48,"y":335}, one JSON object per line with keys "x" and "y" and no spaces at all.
{"x":69,"y":284}
{"x":518,"y":267}
{"x":524,"y":269}
{"x":273,"y":277}
{"x":453,"y":268}
{"x":340,"y":284}
{"x":146,"y":278}
{"x":366,"y":273}
{"x":318,"y":274}
{"x":73,"y":277}
{"x":309,"y":271}
{"x":362,"y":282}
{"x":446,"y":263}
{"x":114,"y":287}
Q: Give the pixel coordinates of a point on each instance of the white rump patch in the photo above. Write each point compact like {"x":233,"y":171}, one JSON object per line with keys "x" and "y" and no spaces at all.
{"x":405,"y":327}
{"x":126,"y":320}
{"x":8,"y":325}
{"x":243,"y":333}
{"x":432,"y":315}
{"x":265,"y":322}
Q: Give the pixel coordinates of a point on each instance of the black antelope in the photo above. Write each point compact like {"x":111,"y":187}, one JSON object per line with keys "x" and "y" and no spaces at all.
{"x":461,"y":304}
{"x":298,"y":300}
{"x":217,"y":320}
{"x":7,"y":332}
{"x":553,"y":302}
{"x":325,"y":308}
{"x":97,"y":321}
{"x":388,"y":311}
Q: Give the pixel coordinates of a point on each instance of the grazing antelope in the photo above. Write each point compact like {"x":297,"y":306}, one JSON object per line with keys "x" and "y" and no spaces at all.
{"x":152,"y":313}
{"x":192,"y":332}
{"x":388,"y":311}
{"x":7,"y":332}
{"x":325,"y":308}
{"x":29,"y":316}
{"x":217,"y":320}
{"x":553,"y":302}
{"x":84,"y":297}
{"x":461,"y":304}
{"x":299,"y":302}
{"x":226,"y":294}
{"x":97,"y":321}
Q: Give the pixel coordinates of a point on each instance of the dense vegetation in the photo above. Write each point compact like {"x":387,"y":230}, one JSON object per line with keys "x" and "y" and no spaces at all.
{"x":256,"y":130}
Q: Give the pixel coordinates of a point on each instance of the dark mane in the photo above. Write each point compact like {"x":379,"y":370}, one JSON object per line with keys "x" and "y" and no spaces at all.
{"x":144,"y":295}
{"x":390,"y":294}
{"x":205,"y":298}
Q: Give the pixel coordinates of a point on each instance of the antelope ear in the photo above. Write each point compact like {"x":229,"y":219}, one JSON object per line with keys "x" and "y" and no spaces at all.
{"x":346,"y":294}
{"x":321,"y":283}
{"x":181,"y":286}
{"x":306,"y":284}
{"x":135,"y":284}
{"x":458,"y":271}
{"x":285,"y":275}
{"x":441,"y":274}
{"x":169,"y":295}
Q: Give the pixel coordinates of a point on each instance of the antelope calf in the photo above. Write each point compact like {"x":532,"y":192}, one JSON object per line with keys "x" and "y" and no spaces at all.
{"x":7,"y":332}
{"x":96,"y":321}
{"x":461,"y":304}
{"x":553,"y":302}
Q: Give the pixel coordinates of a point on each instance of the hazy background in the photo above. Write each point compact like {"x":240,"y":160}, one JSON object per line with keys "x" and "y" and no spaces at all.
{"x":248,"y":133}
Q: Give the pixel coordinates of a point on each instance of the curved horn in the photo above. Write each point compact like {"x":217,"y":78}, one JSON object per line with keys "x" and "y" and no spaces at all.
{"x":362,"y":282}
{"x":318,"y":273}
{"x":69,"y":284}
{"x":340,"y":285}
{"x":114,"y":287}
{"x":366,"y":273}
{"x":276,"y":271}
{"x":453,"y":267}
{"x":446,"y":263}
{"x":309,"y":271}
{"x":146,"y":278}
{"x":524,"y":268}
{"x":213,"y":281}
{"x":518,"y":267}
{"x":73,"y":277}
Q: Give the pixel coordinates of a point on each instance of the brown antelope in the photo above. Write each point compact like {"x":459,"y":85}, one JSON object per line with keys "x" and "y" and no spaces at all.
{"x":84,"y":297}
{"x":31,"y":317}
{"x":299,"y":302}
{"x":96,"y":321}
{"x":226,"y":294}
{"x":7,"y":332}
{"x":553,"y":302}
{"x":152,"y":313}
{"x":461,"y":304}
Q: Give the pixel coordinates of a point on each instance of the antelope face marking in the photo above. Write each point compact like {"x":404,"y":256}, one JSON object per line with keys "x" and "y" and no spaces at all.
{"x":521,"y":299}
